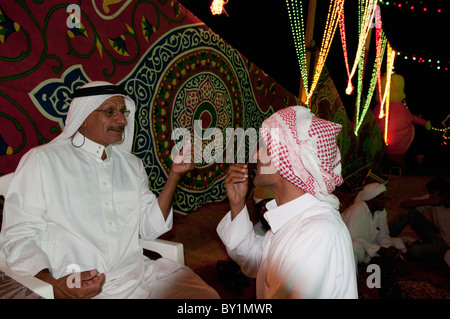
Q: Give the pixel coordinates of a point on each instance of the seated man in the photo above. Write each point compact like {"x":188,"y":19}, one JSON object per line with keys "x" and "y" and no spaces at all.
{"x":307,"y":251}
{"x":366,"y":220}
{"x":81,"y":202}
{"x":434,"y":235}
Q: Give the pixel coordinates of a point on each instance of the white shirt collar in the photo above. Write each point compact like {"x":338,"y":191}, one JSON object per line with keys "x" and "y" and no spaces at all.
{"x":90,"y":146}
{"x":277,"y":216}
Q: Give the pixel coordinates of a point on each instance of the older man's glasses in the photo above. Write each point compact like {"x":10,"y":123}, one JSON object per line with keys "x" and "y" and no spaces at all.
{"x":114,"y":112}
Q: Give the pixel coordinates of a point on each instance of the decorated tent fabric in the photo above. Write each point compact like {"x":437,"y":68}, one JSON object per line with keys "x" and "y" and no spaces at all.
{"x":174,"y":67}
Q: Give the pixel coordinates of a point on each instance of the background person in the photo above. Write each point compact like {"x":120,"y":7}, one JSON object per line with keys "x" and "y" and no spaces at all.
{"x":434,"y":234}
{"x":366,"y":220}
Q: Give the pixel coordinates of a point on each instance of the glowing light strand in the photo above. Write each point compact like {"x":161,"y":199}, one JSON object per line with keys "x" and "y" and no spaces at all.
{"x":295,"y":13}
{"x":334,"y":12}
{"x":437,"y":64}
{"x":361,"y":64}
{"x":373,"y":82}
{"x":444,"y":131}
{"x":344,"y":41}
{"x":361,"y":61}
{"x":378,"y":43}
{"x":369,"y":12}
{"x":376,"y":72}
{"x":387,"y":90}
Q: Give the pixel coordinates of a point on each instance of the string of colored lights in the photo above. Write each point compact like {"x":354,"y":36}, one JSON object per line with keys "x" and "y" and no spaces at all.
{"x":379,"y":46}
{"x":444,"y":135}
{"x":359,"y":86}
{"x":366,"y":14}
{"x":344,"y":41}
{"x":369,"y":12}
{"x":430,"y":7}
{"x":361,"y":9}
{"x":387,"y":90}
{"x":443,"y":130}
{"x":360,"y":59}
{"x":295,"y":13}
{"x":376,"y":72}
{"x":334,"y":12}
{"x":373,"y":82}
{"x":390,"y":60}
{"x":437,"y":64}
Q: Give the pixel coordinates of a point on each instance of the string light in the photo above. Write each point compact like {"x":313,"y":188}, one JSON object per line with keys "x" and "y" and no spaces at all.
{"x":373,"y":82}
{"x":376,"y":71}
{"x":418,"y":5}
{"x":443,"y":130}
{"x":295,"y":13}
{"x":379,"y":39}
{"x":387,"y":91}
{"x":369,"y":12}
{"x":334,"y":12}
{"x":437,"y":64}
{"x":344,"y":41}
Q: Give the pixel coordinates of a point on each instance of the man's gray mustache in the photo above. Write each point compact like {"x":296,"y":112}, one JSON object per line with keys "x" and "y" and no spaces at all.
{"x":119,"y":128}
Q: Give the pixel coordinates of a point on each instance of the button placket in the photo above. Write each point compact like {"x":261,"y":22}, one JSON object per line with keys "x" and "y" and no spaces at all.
{"x":106,"y":190}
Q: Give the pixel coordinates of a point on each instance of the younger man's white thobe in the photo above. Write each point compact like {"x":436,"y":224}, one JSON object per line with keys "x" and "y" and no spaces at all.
{"x":307,"y":253}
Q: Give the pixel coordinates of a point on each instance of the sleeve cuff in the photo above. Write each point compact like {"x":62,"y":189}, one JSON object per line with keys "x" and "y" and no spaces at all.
{"x":233,"y":232}
{"x":154,"y":224}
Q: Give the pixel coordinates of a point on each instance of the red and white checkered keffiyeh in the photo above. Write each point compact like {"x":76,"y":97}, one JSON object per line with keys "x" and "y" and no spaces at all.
{"x":304,"y":151}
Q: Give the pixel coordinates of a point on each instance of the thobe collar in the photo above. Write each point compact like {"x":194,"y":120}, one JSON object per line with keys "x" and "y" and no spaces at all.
{"x":278,"y":216}
{"x":91,"y":147}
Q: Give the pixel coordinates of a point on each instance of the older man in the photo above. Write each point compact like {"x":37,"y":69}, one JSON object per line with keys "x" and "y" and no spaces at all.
{"x":81,"y":202}
{"x":307,"y":252}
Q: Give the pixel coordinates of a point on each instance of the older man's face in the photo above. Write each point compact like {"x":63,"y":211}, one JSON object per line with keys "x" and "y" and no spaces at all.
{"x":104,"y":129}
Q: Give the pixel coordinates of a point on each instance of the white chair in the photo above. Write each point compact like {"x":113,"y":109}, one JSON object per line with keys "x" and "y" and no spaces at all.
{"x":165,"y":248}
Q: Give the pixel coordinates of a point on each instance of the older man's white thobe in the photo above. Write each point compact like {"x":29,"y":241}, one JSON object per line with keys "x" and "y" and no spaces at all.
{"x":68,"y":210}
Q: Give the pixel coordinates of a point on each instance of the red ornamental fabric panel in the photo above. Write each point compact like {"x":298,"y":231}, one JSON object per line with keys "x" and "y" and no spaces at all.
{"x":182,"y":76}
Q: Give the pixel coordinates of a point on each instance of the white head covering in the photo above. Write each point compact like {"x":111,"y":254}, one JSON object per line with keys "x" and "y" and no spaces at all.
{"x":81,"y":107}
{"x":304,"y":151}
{"x":370,"y":191}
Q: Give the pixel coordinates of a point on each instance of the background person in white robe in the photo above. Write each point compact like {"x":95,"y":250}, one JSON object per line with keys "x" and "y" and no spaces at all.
{"x":307,"y":251}
{"x":433,"y":232}
{"x":366,"y":220}
{"x":80,"y":203}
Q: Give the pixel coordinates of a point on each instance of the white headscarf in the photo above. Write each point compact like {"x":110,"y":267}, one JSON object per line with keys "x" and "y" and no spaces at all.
{"x":370,"y":191}
{"x":304,"y":151}
{"x":81,"y":107}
